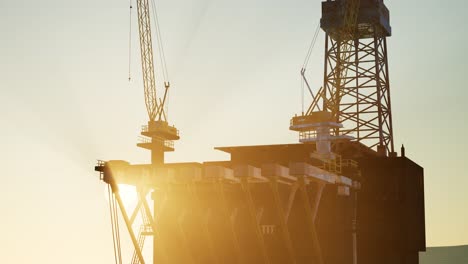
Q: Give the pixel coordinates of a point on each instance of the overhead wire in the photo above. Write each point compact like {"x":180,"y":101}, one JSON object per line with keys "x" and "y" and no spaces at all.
{"x":112,"y":223}
{"x":162,"y":57}
{"x":118,"y":231}
{"x":302,"y":94}
{"x":115,"y":227}
{"x":311,"y":47}
{"x":130,"y":43}
{"x":306,"y":63}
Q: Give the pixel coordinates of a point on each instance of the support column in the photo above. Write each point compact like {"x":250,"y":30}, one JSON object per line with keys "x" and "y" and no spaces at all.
{"x":310,"y":219}
{"x":282,"y":218}
{"x":157,"y":156}
{"x":205,"y":216}
{"x":220,"y":188}
{"x":253,"y":216}
{"x":123,"y":211}
{"x":183,"y":234}
{"x":156,"y":237}
{"x":354,"y":227}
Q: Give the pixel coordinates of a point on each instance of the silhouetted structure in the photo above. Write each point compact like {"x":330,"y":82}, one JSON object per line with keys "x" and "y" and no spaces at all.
{"x":342,"y":196}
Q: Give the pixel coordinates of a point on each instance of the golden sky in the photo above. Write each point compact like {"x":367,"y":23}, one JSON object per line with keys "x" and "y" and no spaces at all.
{"x":65,"y":101}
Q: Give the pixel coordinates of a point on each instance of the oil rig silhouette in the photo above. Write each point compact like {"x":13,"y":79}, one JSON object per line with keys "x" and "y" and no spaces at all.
{"x":341,"y":195}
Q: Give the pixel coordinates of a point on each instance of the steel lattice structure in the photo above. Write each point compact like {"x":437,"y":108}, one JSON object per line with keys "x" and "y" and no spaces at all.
{"x":362,"y":100}
{"x":356,"y":87}
{"x":147,"y":63}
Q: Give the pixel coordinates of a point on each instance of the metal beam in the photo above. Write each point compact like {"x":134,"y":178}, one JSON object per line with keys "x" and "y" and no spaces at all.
{"x":220,"y":188}
{"x":128,"y":224}
{"x":204,"y":221}
{"x":253,"y":217}
{"x":310,"y":219}
{"x":156,"y":235}
{"x":185,"y":241}
{"x":292,"y":197}
{"x":282,"y":218}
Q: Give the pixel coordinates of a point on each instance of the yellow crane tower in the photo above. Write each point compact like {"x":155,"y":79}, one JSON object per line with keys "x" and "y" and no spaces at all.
{"x":157,"y":135}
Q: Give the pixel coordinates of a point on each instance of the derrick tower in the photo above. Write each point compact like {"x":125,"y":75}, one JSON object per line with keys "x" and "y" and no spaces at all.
{"x":356,"y":88}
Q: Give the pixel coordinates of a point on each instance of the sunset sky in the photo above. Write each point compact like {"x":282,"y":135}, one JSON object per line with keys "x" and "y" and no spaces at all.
{"x":65,"y":101}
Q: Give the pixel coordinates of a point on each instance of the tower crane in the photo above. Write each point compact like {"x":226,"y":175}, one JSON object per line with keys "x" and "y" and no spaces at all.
{"x":157,"y":136}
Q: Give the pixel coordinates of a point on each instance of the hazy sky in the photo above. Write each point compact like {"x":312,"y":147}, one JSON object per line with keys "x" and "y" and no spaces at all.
{"x":65,"y":101}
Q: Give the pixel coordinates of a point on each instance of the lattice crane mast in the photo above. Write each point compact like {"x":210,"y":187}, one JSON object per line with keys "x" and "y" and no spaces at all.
{"x":356,"y":90}
{"x":315,"y":124}
{"x":158,"y":135}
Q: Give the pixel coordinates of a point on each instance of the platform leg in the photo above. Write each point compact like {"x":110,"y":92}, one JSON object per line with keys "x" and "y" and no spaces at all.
{"x":225,"y":209}
{"x":282,"y":218}
{"x":252,"y":212}
{"x":310,"y":219}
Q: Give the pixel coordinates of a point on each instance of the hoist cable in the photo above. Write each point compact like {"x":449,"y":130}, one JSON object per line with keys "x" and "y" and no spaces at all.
{"x":112,"y":222}
{"x":167,"y":105}
{"x":130,"y":43}
{"x":117,"y":227}
{"x":162,"y":56}
{"x":311,"y":47}
{"x":305,"y":64}
{"x":117,"y":255}
{"x":302,"y":94}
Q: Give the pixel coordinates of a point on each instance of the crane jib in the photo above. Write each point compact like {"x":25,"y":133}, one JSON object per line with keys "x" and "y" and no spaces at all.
{"x":147,"y":62}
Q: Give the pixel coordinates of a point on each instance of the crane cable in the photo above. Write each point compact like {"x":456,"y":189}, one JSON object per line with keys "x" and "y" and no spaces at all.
{"x":311,"y":47}
{"x":115,"y":226}
{"x":162,"y":56}
{"x":130,"y":43}
{"x":306,"y":63}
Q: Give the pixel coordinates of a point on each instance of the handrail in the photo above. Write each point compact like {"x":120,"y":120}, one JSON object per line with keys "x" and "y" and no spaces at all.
{"x":172,"y":129}
{"x":144,"y":140}
{"x":147,"y":140}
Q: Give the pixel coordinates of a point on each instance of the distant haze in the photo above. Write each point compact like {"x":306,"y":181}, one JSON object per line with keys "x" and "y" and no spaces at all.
{"x":445,"y":255}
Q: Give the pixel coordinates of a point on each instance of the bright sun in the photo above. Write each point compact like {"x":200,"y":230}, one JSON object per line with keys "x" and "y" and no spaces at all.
{"x":128,"y":195}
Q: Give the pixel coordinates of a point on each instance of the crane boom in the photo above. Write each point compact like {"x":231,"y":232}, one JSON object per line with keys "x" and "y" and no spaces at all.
{"x":158,"y":135}
{"x":147,"y":63}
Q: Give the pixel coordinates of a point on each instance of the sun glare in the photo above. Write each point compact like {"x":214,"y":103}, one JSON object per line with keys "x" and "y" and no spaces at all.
{"x":128,"y":195}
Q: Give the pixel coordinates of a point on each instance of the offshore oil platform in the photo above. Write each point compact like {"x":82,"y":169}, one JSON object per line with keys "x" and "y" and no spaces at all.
{"x":341,"y":195}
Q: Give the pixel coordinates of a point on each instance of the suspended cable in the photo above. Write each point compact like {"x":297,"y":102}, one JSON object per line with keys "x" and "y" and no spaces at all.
{"x":116,"y":244}
{"x":130,"y":43}
{"x":167,"y":105}
{"x":112,"y":222}
{"x":162,"y":56}
{"x":305,"y":64}
{"x":311,"y":47}
{"x":302,"y":94}
{"x":117,"y":227}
